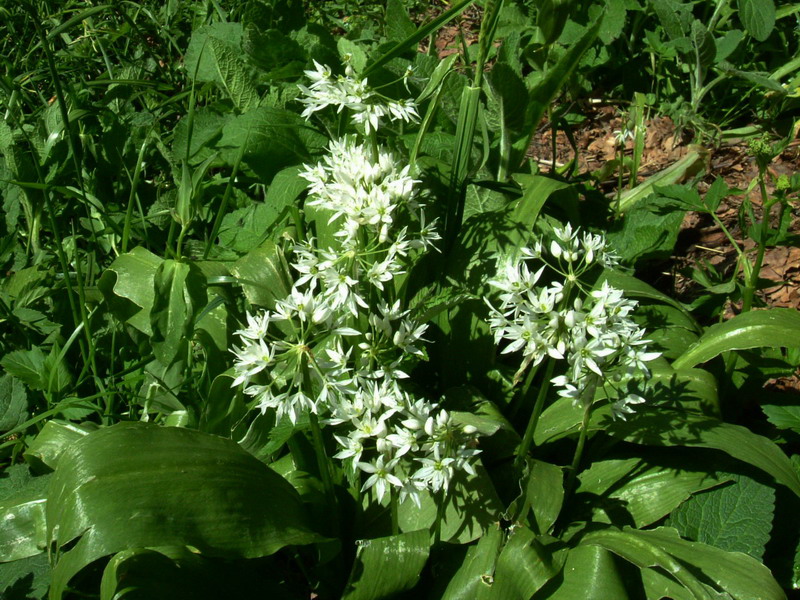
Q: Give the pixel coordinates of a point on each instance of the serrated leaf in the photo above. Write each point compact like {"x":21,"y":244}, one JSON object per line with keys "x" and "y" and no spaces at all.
{"x":387,"y":566}
{"x":137,"y":485}
{"x":27,"y":366}
{"x":772,"y":328}
{"x":25,"y":579}
{"x":13,"y":403}
{"x":398,"y":24}
{"x":783,"y":416}
{"x":233,"y":76}
{"x":267,"y":139}
{"x":758,"y":17}
{"x":736,"y":517}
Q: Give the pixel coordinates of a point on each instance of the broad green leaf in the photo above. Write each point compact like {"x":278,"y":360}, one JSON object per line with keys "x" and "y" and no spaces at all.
{"x":775,"y":327}
{"x":735,"y":517}
{"x":727,"y":44}
{"x":25,"y":579}
{"x":127,"y":286}
{"x":267,"y":139}
{"x":551,"y":16}
{"x":173,"y":311}
{"x":22,"y":512}
{"x":398,"y":24}
{"x":666,"y":427}
{"x":473,"y":580}
{"x":783,"y":416}
{"x":649,"y":230}
{"x":184,"y":488}
{"x":479,"y":199}
{"x":199,"y":58}
{"x":471,"y":508}
{"x":178,"y":574}
{"x":263,"y":275}
{"x":233,"y":76}
{"x":13,"y":403}
{"x":637,"y":288}
{"x":589,"y":573}
{"x":758,"y":17}
{"x":544,"y":494}
{"x":27,"y":366}
{"x":648,"y":492}
{"x":703,"y":43}
{"x":740,"y":575}
{"x":525,"y":565}
{"x":53,"y":440}
{"x":245,"y":228}
{"x":689,"y":165}
{"x":387,"y":566}
{"x":536,"y":190}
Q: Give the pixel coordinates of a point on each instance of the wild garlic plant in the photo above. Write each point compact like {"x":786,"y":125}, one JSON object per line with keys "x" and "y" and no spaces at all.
{"x":336,"y":349}
{"x":589,"y":332}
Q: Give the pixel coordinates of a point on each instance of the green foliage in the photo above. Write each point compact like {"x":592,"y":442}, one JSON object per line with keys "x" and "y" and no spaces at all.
{"x":154,"y":175}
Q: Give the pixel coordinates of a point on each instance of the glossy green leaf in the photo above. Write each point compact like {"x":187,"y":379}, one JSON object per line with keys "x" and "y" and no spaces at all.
{"x":664,"y":427}
{"x":471,"y":508}
{"x":139,"y":485}
{"x":544,"y":494}
{"x":22,"y":512}
{"x":54,"y":439}
{"x":127,"y":287}
{"x":267,"y":139}
{"x":387,"y":566}
{"x":525,"y":565}
{"x":772,"y":328}
{"x":741,"y":576}
{"x":589,"y":573}
{"x":473,"y":580}
{"x":263,"y":274}
{"x":647,"y":492}
{"x":172,"y":314}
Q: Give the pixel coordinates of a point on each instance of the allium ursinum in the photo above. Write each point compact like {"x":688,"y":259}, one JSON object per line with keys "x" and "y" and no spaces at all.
{"x":368,"y":108}
{"x":592,"y":333}
{"x":345,"y":357}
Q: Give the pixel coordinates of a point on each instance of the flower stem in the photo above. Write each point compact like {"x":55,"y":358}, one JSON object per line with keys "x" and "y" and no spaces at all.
{"x":394,"y":509}
{"x":527,"y":438}
{"x":576,"y":459}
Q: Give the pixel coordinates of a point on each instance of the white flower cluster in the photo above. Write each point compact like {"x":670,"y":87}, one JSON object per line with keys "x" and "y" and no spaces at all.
{"x":367,"y":107}
{"x":336,"y":346}
{"x":595,"y":335}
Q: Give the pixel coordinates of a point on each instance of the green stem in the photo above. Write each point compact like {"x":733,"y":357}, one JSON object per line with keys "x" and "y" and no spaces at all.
{"x":394,"y":509}
{"x":527,"y":439}
{"x":752,"y":282}
{"x":576,"y":459}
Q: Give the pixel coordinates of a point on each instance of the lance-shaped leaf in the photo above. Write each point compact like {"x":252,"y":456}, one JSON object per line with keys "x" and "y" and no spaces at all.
{"x":138,"y":485}
{"x":774,"y":328}
{"x":740,"y":575}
